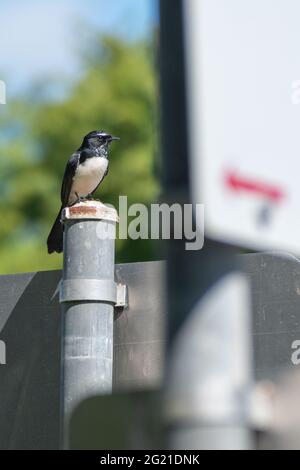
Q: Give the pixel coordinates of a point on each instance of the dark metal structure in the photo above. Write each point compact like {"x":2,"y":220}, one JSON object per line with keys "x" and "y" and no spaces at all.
{"x":30,"y":327}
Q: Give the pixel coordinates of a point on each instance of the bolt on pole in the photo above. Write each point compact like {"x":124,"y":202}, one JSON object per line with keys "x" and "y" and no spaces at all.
{"x":87,"y":295}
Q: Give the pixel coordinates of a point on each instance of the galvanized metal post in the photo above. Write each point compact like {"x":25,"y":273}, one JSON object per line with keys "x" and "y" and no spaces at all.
{"x":87,"y":294}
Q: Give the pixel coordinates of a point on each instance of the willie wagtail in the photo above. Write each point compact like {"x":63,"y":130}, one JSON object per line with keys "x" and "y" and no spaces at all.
{"x":85,"y":170}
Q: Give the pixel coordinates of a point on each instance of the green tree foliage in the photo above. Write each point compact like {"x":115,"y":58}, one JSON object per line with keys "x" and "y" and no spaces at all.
{"x":117,"y":92}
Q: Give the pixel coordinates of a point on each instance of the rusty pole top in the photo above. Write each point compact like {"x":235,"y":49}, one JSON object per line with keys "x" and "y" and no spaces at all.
{"x":90,"y":210}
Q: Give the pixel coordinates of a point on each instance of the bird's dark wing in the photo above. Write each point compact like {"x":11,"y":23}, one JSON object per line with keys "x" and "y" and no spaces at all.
{"x":68,"y":178}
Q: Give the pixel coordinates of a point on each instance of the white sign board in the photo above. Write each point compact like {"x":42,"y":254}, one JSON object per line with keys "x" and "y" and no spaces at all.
{"x":243,"y":78}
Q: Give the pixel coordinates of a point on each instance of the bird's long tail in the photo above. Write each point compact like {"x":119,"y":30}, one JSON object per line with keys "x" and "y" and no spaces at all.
{"x":55,"y":238}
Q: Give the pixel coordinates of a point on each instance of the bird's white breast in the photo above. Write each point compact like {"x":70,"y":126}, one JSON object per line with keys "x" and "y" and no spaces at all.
{"x":87,"y":177}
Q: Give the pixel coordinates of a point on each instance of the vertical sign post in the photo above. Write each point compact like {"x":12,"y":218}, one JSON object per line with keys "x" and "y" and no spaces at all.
{"x":207,"y":298}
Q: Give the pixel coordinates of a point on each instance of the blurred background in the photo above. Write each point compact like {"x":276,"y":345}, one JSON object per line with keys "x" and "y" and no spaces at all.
{"x":214,"y":332}
{"x":71,"y":67}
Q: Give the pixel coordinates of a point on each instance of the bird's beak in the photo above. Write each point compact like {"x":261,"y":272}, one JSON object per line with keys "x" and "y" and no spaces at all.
{"x":114,"y":138}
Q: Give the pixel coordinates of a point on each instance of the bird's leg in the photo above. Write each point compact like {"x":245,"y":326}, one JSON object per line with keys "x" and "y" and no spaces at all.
{"x":80,"y":198}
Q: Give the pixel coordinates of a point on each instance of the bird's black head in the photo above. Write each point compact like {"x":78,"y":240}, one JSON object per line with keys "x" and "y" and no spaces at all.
{"x":98,"y":140}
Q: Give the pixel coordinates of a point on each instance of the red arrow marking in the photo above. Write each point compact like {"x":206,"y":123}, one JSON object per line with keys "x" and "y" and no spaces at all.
{"x":237,"y":183}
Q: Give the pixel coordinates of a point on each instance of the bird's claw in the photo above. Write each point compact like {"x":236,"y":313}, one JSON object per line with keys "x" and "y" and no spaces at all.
{"x":80,"y":199}
{"x":91,"y":198}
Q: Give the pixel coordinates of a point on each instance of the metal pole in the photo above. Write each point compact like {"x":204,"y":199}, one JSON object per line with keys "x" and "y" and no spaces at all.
{"x":208,"y":367}
{"x":88,"y":294}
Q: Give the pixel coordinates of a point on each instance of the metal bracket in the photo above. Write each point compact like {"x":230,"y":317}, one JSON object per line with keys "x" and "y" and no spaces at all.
{"x":75,"y":290}
{"x":122,"y":296}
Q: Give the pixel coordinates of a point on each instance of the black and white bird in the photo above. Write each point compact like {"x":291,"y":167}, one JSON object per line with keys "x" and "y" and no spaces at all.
{"x":84,"y":172}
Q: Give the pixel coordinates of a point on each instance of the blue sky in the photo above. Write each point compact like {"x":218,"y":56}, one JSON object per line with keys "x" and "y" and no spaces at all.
{"x":40,"y":38}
